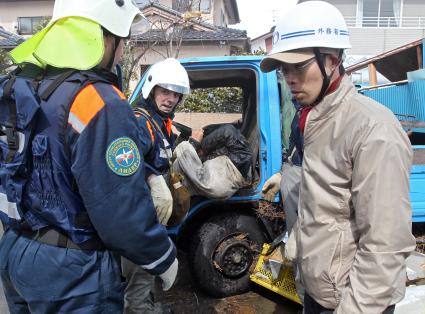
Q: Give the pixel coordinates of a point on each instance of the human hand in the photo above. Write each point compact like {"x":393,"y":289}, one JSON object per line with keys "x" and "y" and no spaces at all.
{"x":161,"y":197}
{"x":169,"y":276}
{"x":271,"y":187}
{"x":291,"y":248}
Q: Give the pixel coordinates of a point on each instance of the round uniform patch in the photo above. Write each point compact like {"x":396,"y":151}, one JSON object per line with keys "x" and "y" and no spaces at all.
{"x":123,"y":157}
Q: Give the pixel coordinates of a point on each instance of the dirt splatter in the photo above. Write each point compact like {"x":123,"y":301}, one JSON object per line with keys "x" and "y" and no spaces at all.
{"x":270,"y":210}
{"x":185,"y":297}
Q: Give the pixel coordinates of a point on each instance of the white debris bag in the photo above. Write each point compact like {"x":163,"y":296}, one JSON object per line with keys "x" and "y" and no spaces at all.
{"x":216,"y":178}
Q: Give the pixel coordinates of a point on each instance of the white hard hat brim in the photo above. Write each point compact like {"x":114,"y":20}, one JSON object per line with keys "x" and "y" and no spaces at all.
{"x":117,"y":19}
{"x":273,"y":61}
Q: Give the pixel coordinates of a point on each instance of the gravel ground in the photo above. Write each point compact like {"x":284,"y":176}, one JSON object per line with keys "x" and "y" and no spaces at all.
{"x":185,"y":298}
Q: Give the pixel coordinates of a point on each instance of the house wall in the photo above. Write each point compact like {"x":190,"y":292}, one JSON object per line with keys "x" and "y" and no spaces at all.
{"x":372,"y":41}
{"x":10,"y":11}
{"x":269,"y":43}
{"x":167,"y":3}
{"x":214,"y":17}
{"x":258,"y":44}
{"x":218,"y":8}
{"x":198,"y":120}
{"x":159,"y":53}
{"x":413,"y":8}
{"x":347,"y":7}
{"x":262,"y":43}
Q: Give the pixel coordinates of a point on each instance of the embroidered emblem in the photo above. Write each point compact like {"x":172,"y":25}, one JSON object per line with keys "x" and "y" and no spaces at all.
{"x":123,"y":157}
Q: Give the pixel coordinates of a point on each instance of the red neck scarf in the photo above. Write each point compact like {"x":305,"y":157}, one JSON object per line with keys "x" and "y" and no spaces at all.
{"x":168,"y":123}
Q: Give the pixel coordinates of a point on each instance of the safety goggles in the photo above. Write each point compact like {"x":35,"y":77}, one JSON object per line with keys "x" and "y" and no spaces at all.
{"x":297,"y":68}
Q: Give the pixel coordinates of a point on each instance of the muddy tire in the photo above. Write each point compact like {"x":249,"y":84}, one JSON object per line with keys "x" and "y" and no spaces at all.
{"x":222,"y":252}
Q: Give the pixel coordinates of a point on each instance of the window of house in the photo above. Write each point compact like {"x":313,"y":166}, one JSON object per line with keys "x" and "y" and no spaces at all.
{"x":222,"y":19}
{"x":203,"y":6}
{"x":28,"y":25}
{"x":380,"y":13}
{"x":143,"y":3}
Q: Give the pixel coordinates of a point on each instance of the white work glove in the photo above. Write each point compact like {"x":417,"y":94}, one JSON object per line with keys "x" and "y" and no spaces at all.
{"x":169,"y":276}
{"x":291,"y":248}
{"x":161,"y":197}
{"x":271,"y":187}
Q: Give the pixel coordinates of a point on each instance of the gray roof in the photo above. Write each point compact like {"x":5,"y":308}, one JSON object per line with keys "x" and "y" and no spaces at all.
{"x":220,"y":33}
{"x":9,"y":40}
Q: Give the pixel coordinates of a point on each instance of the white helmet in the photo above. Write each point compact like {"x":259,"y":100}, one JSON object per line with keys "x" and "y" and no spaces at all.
{"x":117,"y":16}
{"x":168,"y":74}
{"x":306,"y":25}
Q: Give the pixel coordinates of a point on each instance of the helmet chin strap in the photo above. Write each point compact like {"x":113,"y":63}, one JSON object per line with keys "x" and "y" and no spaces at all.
{"x":326,"y":78}
{"x":116,"y":43}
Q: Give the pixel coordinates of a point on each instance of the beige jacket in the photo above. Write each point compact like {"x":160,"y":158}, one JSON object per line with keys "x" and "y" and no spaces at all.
{"x":354,"y":226}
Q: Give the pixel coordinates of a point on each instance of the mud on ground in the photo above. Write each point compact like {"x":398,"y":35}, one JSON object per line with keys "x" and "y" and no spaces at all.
{"x":184,"y":297}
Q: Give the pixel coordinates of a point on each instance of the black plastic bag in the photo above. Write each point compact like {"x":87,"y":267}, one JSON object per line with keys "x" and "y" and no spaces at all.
{"x":229,"y":141}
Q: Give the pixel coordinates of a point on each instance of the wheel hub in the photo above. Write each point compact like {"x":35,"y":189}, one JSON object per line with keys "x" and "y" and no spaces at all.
{"x":233,"y":257}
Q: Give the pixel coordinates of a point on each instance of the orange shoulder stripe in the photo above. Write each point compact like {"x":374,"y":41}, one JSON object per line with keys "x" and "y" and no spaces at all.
{"x":150,"y":130}
{"x":86,"y":105}
{"x":122,"y":96}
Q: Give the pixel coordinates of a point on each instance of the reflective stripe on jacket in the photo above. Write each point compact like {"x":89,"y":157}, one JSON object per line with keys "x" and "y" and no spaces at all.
{"x":120,"y":206}
{"x":354,"y":225}
{"x":73,"y":188}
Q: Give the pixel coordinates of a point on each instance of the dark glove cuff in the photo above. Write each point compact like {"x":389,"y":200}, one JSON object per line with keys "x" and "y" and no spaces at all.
{"x":195,"y":143}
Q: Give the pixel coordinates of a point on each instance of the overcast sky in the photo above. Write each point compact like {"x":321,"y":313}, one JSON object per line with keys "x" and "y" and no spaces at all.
{"x":257,"y":15}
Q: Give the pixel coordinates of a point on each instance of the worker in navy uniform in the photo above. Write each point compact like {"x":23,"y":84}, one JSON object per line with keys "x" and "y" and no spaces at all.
{"x":72,"y":173}
{"x":165,"y":87}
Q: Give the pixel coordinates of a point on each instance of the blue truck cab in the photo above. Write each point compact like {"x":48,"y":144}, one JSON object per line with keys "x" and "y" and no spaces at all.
{"x":223,"y":237}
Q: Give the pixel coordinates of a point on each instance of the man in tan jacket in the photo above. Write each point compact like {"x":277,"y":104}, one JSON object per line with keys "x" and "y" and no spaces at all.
{"x":353,"y":232}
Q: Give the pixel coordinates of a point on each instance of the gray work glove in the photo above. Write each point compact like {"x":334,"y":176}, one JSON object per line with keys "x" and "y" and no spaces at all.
{"x":291,"y":248}
{"x":271,"y":187}
{"x":169,"y":276}
{"x":161,"y":197}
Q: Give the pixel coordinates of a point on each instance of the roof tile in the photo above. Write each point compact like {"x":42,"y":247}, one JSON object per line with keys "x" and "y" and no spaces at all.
{"x":8,"y":39}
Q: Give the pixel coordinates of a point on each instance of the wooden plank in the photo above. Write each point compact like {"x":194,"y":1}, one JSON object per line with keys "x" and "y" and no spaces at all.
{"x":373,"y":78}
{"x":413,"y":124}
{"x":419,"y":157}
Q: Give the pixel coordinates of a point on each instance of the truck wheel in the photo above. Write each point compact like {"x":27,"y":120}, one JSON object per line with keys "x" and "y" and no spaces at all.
{"x":222,"y":252}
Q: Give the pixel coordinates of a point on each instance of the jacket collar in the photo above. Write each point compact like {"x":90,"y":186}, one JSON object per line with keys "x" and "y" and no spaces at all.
{"x":332,"y":101}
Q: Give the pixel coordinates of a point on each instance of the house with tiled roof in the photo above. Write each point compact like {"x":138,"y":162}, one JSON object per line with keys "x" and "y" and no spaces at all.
{"x":197,"y":32}
{"x":204,"y":26}
{"x":375,"y":27}
{"x":9,"y":40}
{"x":179,"y":28}
{"x":23,"y":16}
